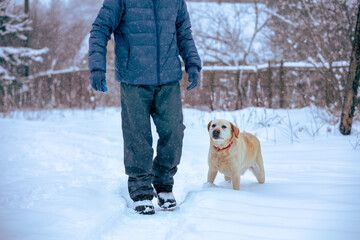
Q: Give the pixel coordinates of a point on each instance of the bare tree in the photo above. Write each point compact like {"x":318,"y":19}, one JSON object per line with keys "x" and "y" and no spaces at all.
{"x":352,"y":83}
{"x":61,"y":27}
{"x":224,"y":36}
{"x":227,"y":35}
{"x":319,"y":32}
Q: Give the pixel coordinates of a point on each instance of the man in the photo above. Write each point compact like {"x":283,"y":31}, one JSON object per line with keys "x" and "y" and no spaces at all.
{"x":149,"y":37}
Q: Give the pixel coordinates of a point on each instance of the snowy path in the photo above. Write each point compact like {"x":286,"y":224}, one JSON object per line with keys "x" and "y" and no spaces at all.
{"x":62,"y":178}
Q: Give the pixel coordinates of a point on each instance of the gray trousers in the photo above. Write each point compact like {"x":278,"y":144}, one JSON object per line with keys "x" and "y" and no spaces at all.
{"x":163,"y":104}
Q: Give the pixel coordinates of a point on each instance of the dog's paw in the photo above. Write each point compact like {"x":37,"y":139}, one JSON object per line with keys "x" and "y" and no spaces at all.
{"x":208,"y":185}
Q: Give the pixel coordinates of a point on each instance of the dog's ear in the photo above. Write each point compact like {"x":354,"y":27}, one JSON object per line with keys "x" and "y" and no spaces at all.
{"x":209,"y":124}
{"x":235,"y":130}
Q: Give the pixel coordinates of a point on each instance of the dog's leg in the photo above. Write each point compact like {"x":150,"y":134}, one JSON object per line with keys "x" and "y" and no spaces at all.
{"x":236,"y":182}
{"x":212,"y":175}
{"x":258,"y":169}
{"x":228,"y":179}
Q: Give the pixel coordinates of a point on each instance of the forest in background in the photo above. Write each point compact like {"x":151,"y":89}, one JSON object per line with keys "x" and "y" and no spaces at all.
{"x":36,"y":46}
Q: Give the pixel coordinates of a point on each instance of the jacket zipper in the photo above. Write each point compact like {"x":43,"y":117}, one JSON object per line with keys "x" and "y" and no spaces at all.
{"x":157,"y":43}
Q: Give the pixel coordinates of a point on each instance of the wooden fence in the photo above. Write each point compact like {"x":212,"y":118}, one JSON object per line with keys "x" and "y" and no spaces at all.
{"x":281,"y":85}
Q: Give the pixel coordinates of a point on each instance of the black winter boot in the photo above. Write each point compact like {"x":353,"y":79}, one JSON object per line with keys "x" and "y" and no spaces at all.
{"x":144,"y":207}
{"x":166,"y":200}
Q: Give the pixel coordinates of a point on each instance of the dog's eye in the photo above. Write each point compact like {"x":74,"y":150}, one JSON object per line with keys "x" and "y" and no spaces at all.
{"x":214,"y":125}
{"x":223,"y":127}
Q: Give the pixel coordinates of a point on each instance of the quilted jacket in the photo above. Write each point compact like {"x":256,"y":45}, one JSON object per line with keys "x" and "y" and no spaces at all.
{"x":149,"y":35}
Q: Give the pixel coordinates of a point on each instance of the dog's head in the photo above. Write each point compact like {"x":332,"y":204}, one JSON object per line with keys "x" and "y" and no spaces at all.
{"x":222,"y":132}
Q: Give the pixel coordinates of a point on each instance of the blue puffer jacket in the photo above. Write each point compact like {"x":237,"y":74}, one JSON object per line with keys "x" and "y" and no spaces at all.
{"x":149,"y":36}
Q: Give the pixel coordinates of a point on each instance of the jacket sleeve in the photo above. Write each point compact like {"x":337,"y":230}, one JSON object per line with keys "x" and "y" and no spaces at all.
{"x":185,"y":41}
{"x":104,"y":25}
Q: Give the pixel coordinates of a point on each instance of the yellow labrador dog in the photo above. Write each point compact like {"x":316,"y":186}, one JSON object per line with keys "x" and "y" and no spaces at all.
{"x":232,"y":153}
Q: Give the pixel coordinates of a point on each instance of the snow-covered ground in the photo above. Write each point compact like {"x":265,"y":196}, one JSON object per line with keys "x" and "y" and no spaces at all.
{"x":62,"y":177}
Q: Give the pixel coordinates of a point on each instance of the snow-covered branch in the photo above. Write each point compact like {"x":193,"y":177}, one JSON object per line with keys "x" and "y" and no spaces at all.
{"x":21,"y":56}
{"x":14,"y":24}
{"x":4,"y":75}
{"x":11,"y":58}
{"x":282,"y":18}
{"x":228,"y":32}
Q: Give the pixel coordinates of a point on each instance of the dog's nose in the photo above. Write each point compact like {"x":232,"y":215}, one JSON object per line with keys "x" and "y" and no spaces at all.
{"x":216,"y":134}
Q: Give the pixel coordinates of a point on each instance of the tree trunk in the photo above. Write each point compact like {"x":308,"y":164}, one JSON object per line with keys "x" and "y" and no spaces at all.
{"x":26,"y":44}
{"x":26,"y":6}
{"x":282,"y":85}
{"x":238,"y":93}
{"x":255,"y":88}
{"x":212,"y":89}
{"x":329,"y":89}
{"x":352,"y":83}
{"x":269,"y":86}
{"x":240,"y":97}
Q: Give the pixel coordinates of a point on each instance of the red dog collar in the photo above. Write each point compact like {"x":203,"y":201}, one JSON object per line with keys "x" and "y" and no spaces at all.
{"x":220,"y":149}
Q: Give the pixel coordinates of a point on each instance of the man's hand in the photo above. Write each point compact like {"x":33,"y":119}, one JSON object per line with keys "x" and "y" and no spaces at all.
{"x":97,"y":80}
{"x":193,"y":78}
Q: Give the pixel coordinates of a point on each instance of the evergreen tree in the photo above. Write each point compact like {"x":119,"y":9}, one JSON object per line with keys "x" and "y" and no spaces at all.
{"x":15,"y":59}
